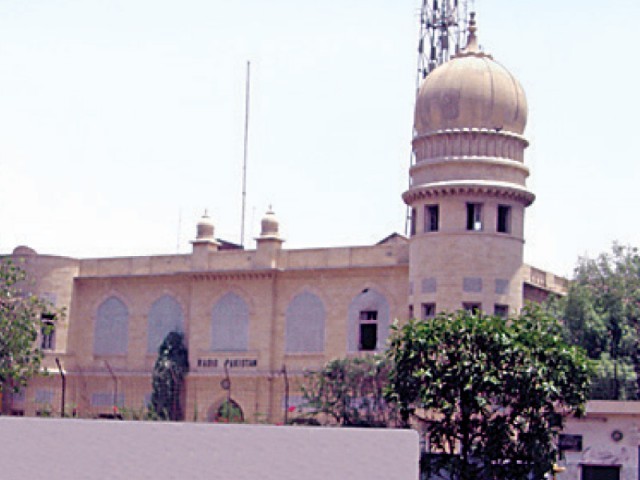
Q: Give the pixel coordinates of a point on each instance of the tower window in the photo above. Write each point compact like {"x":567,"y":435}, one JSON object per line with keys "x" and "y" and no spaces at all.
{"x":47,"y":333}
{"x":504,"y":219}
{"x":428,"y":311}
{"x":368,"y":330}
{"x":474,"y":216}
{"x":413,"y":221}
{"x":431,"y":218}
{"x":501,"y":310}
{"x":472,"y":307}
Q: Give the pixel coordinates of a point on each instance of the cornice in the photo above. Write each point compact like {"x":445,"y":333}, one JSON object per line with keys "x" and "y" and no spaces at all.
{"x":233,"y":275}
{"x":471,"y":187}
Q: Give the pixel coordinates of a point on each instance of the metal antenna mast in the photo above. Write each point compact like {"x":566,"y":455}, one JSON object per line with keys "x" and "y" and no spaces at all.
{"x":246,"y":151}
{"x":443,"y":33}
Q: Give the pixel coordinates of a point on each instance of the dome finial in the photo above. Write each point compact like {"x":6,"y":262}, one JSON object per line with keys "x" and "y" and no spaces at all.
{"x":472,"y":40}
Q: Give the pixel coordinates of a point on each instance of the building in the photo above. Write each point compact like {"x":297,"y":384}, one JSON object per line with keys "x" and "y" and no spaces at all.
{"x":256,"y":320}
{"x":603,"y":444}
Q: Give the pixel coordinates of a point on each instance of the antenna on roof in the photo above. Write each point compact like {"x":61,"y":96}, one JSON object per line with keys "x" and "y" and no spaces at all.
{"x":179,"y":228}
{"x":443,"y":33}
{"x":246,"y":149}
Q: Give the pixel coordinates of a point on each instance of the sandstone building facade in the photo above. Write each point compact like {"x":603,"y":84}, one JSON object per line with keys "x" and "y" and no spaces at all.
{"x":259,"y":318}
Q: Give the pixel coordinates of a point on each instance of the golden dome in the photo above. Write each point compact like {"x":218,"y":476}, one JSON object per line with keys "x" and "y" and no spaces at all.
{"x":471,"y":91}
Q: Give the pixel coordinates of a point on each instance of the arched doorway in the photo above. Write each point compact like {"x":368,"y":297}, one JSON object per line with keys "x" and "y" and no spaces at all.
{"x":228,"y":411}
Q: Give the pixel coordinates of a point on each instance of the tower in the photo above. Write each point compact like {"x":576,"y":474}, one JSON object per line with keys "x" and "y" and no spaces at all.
{"x":204,"y":243}
{"x":467,"y":190}
{"x":269,"y":243}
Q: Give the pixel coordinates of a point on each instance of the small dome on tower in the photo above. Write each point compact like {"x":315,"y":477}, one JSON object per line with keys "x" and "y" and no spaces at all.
{"x":269,"y":224}
{"x":204,"y":228}
{"x":23,"y":250}
{"x":471,"y":91}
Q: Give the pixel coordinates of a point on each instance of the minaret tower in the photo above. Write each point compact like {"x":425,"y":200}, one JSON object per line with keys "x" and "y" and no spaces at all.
{"x":467,"y":189}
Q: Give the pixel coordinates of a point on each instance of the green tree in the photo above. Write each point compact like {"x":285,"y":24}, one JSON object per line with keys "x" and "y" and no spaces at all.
{"x":489,"y":388}
{"x":350,"y":392}
{"x":169,"y":371}
{"x":21,"y":321}
{"x":601,"y":313}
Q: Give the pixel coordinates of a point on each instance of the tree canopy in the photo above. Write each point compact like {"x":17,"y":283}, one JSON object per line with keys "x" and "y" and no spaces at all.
{"x":601,"y":313}
{"x":22,"y":319}
{"x":489,"y":389}
{"x":169,"y":371}
{"x":350,"y":392}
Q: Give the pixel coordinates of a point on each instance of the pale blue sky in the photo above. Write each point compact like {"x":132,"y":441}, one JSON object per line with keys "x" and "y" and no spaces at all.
{"x":119,"y":117}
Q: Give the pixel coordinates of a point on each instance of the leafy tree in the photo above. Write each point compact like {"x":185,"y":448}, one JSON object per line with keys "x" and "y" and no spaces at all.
{"x":169,"y":371}
{"x":350,"y":392}
{"x":601,"y":313}
{"x":21,"y":320}
{"x":489,"y":388}
{"x":584,"y":325}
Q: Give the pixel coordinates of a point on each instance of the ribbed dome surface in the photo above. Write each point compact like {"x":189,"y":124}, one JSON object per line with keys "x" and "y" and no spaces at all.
{"x":471,"y":91}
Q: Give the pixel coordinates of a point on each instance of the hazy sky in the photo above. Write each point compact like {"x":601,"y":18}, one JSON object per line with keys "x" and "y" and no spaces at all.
{"x":122,"y":120}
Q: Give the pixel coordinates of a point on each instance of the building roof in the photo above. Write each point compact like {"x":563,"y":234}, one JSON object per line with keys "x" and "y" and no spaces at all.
{"x":612,"y":407}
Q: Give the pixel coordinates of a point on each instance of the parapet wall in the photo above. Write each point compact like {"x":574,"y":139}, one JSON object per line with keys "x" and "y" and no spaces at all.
{"x":79,"y":449}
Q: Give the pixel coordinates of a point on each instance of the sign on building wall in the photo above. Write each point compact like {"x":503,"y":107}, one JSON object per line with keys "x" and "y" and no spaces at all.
{"x":570,"y":443}
{"x":229,"y":363}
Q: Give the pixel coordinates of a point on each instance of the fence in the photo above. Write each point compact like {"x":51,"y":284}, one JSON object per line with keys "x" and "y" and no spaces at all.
{"x":607,"y":388}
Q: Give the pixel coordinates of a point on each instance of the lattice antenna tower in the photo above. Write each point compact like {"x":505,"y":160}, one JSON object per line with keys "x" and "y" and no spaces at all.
{"x":443,"y":33}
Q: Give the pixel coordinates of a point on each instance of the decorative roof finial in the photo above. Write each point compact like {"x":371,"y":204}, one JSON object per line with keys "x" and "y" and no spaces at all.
{"x":472,"y":40}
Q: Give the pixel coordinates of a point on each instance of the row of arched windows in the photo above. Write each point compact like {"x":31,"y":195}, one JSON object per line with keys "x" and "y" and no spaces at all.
{"x":305,"y":320}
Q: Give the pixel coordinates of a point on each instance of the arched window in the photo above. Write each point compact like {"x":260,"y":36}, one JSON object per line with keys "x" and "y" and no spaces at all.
{"x":305,"y":319}
{"x":368,"y":322}
{"x":111,"y":335}
{"x":165,"y":316}
{"x":230,"y":324}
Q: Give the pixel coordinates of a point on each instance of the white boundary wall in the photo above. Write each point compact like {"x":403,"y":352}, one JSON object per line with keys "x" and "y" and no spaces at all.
{"x":66,"y":449}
